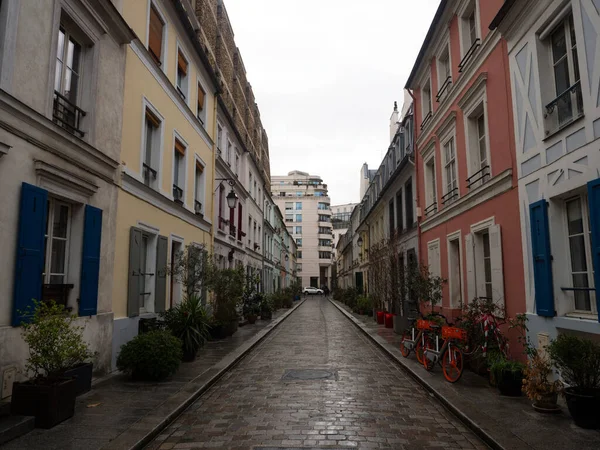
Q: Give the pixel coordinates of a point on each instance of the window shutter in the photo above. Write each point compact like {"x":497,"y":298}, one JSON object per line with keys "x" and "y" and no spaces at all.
{"x":231,"y":218}
{"x":160,"y":291}
{"x":496,"y":264}
{"x":155,"y":33}
{"x":90,"y":261}
{"x":29,"y":266}
{"x":201,"y":96}
{"x":594,"y":206}
{"x":133,"y":292}
{"x":470,"y":255}
{"x":182,"y":63}
{"x":542,"y":258}
{"x":239,"y":231}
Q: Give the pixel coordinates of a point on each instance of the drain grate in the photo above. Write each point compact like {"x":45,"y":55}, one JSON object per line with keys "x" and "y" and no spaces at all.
{"x":309,"y":374}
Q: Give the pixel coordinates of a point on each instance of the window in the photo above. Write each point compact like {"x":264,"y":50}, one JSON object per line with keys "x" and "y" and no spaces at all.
{"x":568,"y":104}
{"x":450,"y":172}
{"x":289,"y":206}
{"x":58,"y":223}
{"x":430,"y":187}
{"x":289,"y":217}
{"x":324,"y":255}
{"x":323,"y":206}
{"x":408,"y":200}
{"x":299,"y":242}
{"x":487,"y":264}
{"x":581,"y":267}
{"x":454,"y":272}
{"x":444,"y":72}
{"x":477,"y":146}
{"x":198,"y":188}
{"x":178,"y":171}
{"x":254,"y":190}
{"x":250,"y":182}
{"x":426,"y":103}
{"x":399,"y":218}
{"x":299,"y":254}
{"x":237,"y":163}
{"x":392,"y":216}
{"x":66,"y":112}
{"x":298,"y":206}
{"x":151,"y":150}
{"x":483,"y":250}
{"x":155,"y":35}
{"x":325,"y":242}
{"x":299,"y":194}
{"x":201,"y":106}
{"x":249,"y":228}
{"x":219,"y":136}
{"x":298,"y":230}
{"x":182,"y":75}
{"x":240,"y":232}
{"x":298,"y":217}
{"x":298,"y":267}
{"x":433,"y":257}
{"x":468,"y":30}
{"x":324,"y":230}
{"x":228,"y":153}
{"x":323,"y":218}
{"x":222,"y":219}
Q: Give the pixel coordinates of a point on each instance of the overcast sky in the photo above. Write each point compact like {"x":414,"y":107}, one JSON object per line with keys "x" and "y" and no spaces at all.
{"x":325,"y":74}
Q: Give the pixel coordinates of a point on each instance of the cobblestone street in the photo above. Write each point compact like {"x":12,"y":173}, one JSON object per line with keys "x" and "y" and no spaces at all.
{"x":364,"y":401}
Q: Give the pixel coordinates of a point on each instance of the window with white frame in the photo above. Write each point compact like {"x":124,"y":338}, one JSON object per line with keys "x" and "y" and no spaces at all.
{"x":454,"y":271}
{"x":156,"y":29}
{"x":198,"y":188}
{"x":430,"y":186}
{"x":229,"y":151}
{"x":182,"y":74}
{"x":580,"y":252}
{"x":58,"y":225}
{"x":219,"y":136}
{"x":237,"y":163}
{"x":451,"y":193}
{"x":147,"y":278}
{"x":568,"y":100}
{"x":444,"y":72}
{"x":201,"y":105}
{"x":433,"y":258}
{"x":484,"y":262}
{"x":152,"y":144}
{"x":469,"y":31}
{"x":178,"y":171}
{"x":426,"y":102}
{"x":476,"y":124}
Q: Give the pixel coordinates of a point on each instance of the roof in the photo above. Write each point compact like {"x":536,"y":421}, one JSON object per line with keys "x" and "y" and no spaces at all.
{"x":502,"y":14}
{"x":426,"y":42}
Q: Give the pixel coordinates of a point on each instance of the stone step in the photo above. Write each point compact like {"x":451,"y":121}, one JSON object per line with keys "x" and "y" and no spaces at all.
{"x":11,"y":427}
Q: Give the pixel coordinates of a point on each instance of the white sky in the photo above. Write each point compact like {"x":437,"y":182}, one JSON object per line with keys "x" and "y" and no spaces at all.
{"x":325,"y":74}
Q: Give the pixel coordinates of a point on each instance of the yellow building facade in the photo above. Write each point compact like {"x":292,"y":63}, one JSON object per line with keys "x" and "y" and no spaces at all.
{"x":166,"y":193}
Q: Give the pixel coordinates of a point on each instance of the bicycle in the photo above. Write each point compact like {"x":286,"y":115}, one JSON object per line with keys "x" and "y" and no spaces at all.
{"x":418,"y":342}
{"x":451,"y":354}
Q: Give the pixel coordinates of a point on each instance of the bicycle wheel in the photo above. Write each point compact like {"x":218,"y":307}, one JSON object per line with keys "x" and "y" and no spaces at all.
{"x":427,"y":363}
{"x":405,"y":351}
{"x":419,"y":348}
{"x":452,"y":364}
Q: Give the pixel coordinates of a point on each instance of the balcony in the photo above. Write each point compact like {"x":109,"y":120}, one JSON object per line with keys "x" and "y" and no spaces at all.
{"x":450,"y":196}
{"x":470,"y":53}
{"x":177,"y":194}
{"x":232,"y":230}
{"x":445,"y":88}
{"x":426,"y":120}
{"x":564,"y":109}
{"x":149,"y":174}
{"x":431,"y":209}
{"x":479,"y":177}
{"x":67,"y":115}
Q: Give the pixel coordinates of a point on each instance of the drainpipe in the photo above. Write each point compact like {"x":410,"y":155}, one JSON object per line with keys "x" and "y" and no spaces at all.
{"x":415,"y":153}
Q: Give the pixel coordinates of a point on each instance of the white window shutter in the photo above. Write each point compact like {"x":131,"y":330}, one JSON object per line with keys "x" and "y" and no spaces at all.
{"x":496,"y":263}
{"x":470,"y":255}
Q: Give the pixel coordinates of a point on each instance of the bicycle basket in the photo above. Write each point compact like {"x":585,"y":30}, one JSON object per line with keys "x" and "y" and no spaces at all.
{"x":424,"y":324}
{"x":454,"y":333}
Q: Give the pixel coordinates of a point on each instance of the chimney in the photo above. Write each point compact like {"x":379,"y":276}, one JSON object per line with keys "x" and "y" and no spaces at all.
{"x":394,"y":122}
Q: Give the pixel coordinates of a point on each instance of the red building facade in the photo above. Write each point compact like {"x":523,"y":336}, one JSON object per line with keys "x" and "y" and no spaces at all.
{"x":467,"y":194}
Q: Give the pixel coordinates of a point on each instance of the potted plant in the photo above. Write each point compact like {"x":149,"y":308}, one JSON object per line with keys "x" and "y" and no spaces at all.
{"x":578,"y":361}
{"x":508,"y":376}
{"x":55,"y":345}
{"x":266,"y":307}
{"x":188,"y":321}
{"x":227,"y":285}
{"x":539,"y":386}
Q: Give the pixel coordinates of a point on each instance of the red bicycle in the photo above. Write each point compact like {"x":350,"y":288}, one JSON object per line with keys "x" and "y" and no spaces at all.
{"x":449,"y":355}
{"x":417,"y":338}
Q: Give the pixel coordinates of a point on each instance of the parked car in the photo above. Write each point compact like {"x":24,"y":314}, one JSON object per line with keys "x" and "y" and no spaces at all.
{"x":312,"y":291}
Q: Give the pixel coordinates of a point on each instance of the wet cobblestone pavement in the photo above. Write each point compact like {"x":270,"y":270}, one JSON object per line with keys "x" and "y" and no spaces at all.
{"x":316,"y":382}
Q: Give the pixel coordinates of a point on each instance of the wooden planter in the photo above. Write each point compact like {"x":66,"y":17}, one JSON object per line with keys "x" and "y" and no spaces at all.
{"x":50,"y":403}
{"x":83,"y":377}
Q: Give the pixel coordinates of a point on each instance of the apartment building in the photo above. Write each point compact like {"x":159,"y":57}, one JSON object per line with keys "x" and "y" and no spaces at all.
{"x":340,"y":219}
{"x":553,"y":64}
{"x":62,"y":69}
{"x":304,"y":201}
{"x":467,"y":196}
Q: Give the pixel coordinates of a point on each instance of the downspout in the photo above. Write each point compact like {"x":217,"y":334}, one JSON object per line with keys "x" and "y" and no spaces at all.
{"x":415,"y":153}
{"x":214,"y":166}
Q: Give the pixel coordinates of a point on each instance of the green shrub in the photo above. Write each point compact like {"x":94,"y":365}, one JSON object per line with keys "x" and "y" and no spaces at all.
{"x":151,"y":356}
{"x":577,"y":359}
{"x":188,"y":321}
{"x":363,"y":304}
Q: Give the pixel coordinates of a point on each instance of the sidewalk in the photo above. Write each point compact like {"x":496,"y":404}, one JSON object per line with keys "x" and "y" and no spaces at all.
{"x":118,"y":414}
{"x":502,"y":422}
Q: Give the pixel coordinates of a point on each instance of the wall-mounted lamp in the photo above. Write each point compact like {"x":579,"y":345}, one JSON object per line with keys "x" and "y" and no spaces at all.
{"x":360,"y":241}
{"x":232,"y":197}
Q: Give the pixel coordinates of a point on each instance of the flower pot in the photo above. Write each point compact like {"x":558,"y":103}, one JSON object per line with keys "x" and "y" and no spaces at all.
{"x":266,"y":315}
{"x":546,"y":404}
{"x":389,"y":320}
{"x":380,"y":317}
{"x":189,"y":354}
{"x":83,"y":377}
{"x":584,"y":406}
{"x":50,"y":403}
{"x":510,"y":382}
{"x":251,"y":318}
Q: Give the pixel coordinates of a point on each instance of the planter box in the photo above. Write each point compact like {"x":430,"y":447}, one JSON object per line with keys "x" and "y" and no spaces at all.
{"x":49,"y":403}
{"x":83,"y":377}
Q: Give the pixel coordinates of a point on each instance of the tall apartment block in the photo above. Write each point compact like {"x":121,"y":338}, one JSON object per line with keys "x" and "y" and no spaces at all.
{"x":304,"y":200}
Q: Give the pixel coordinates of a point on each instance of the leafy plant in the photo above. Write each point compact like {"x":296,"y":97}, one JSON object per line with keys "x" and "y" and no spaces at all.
{"x":227,"y":285}
{"x":519,"y":323}
{"x":424,"y":285}
{"x":577,"y":359}
{"x":363,"y":304}
{"x":251,"y":297}
{"x":191,"y":269}
{"x":500,"y":366}
{"x":152,"y":356}
{"x":188,"y":321}
{"x":538,"y":374}
{"x":55,"y":342}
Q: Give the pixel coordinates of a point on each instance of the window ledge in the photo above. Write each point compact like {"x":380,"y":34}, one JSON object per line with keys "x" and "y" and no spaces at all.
{"x":4,"y":148}
{"x":582,"y":316}
{"x":564,"y":127}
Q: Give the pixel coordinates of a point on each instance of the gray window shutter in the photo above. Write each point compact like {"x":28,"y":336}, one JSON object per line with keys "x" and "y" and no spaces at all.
{"x":133,"y":293}
{"x":160,"y":289}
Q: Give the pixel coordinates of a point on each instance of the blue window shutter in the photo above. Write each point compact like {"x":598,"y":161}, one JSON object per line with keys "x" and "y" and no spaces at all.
{"x":542,"y":259}
{"x":30,"y":251}
{"x":90,"y":261}
{"x":594,"y":203}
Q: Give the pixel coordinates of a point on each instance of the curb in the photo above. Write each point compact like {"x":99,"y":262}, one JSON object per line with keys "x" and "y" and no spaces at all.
{"x":224,"y":365}
{"x":472,"y":425}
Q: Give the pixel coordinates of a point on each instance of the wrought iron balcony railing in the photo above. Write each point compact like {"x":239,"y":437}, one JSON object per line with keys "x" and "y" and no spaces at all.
{"x":445,"y":87}
{"x":431,"y":209}
{"x":474,"y":46}
{"x":67,"y":115}
{"x":177,"y":194}
{"x":450,"y":196}
{"x":197,"y":207}
{"x":564,"y":109}
{"x":426,"y":119}
{"x":482,"y":175}
{"x":149,"y":174}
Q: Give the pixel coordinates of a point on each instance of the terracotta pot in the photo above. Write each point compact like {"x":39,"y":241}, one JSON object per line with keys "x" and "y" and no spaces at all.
{"x":380,"y":317}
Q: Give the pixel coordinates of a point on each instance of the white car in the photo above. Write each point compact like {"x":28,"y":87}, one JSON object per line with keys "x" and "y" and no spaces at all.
{"x":312,"y":291}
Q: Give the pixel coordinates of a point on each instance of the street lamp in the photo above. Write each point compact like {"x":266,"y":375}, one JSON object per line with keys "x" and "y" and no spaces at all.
{"x":231,"y":199}
{"x":360,"y":241}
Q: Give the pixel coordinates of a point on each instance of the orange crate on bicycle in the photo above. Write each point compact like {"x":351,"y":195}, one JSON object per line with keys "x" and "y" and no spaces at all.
{"x":425,"y":324}
{"x":454,"y":333}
